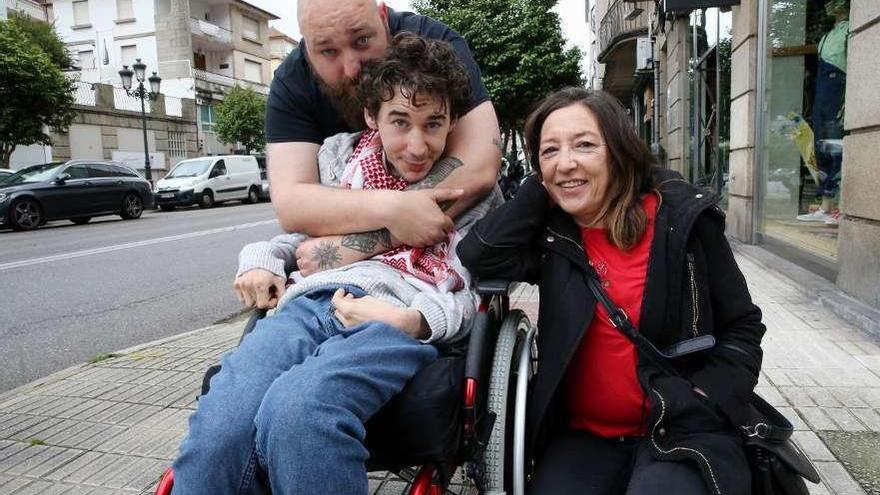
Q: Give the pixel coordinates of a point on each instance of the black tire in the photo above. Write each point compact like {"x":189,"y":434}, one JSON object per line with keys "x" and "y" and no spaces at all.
{"x":25,"y":214}
{"x":167,"y":207}
{"x":207,"y":200}
{"x":81,"y":220}
{"x":132,"y":206}
{"x":253,"y":196}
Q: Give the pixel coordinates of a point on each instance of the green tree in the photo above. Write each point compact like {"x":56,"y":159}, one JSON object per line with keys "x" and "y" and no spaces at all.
{"x":43,"y":35}
{"x":240,"y":119}
{"x":33,"y":91}
{"x":519,"y":47}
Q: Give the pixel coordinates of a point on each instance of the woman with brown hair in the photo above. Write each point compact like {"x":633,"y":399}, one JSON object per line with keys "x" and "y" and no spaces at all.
{"x":604,"y":417}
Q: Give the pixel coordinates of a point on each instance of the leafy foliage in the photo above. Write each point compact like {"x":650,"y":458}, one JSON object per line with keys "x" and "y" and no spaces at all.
{"x":519,"y":47}
{"x":240,"y":119}
{"x":43,"y":35}
{"x":33,"y":91}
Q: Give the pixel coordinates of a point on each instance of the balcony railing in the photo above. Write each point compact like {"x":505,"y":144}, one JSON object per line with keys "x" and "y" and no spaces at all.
{"x":222,"y":80}
{"x":211,"y":31}
{"x":623,"y":19}
{"x":28,"y":7}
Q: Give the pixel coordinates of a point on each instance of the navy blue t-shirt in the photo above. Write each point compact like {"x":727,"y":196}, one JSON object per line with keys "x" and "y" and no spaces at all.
{"x":298,"y":111}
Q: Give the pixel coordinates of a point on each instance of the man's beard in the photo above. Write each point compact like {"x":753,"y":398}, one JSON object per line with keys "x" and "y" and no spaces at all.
{"x":344,"y":99}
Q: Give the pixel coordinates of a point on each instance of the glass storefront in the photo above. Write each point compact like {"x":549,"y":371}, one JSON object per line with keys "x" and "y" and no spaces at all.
{"x":709,"y":47}
{"x":801,"y":149}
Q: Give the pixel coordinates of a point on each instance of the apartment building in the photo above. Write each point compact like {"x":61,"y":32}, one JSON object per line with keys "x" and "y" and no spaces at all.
{"x":200,"y":48}
{"x":280,"y":45}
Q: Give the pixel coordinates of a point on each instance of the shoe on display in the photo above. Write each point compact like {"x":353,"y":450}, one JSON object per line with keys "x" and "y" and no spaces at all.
{"x":819,"y":215}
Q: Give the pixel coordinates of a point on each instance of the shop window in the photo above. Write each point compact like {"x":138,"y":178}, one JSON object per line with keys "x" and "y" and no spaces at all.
{"x":802,"y":149}
{"x":709,"y":45}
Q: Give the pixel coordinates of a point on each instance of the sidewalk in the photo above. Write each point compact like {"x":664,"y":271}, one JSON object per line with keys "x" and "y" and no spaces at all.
{"x":113,"y":426}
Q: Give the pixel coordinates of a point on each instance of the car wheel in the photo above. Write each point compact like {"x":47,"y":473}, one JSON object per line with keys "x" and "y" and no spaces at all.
{"x":132,"y":206}
{"x":207,"y":200}
{"x":81,"y":220}
{"x":166,"y":207}
{"x":25,"y":214}
{"x":253,"y":196}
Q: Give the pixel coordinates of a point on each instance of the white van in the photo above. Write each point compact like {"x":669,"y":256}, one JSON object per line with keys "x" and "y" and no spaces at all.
{"x":209,"y":180}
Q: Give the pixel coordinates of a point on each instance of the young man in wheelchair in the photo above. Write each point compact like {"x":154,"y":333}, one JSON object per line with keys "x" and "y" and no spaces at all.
{"x":348,"y":334}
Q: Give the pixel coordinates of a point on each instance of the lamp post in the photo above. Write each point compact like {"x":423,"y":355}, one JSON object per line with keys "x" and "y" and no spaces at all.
{"x":141,"y":93}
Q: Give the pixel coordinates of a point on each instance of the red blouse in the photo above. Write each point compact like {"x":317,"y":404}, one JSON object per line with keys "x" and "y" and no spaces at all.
{"x":603,"y":394}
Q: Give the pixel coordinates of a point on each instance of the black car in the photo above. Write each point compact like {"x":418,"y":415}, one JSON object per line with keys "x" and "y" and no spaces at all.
{"x":76,"y":190}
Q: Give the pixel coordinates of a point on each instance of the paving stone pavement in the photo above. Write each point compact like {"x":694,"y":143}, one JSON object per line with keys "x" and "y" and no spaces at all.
{"x":113,"y":426}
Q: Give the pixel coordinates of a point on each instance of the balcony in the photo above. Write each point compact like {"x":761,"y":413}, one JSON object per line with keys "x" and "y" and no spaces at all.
{"x":29,"y":8}
{"x":213,"y":33}
{"x":214,"y":80}
{"x":623,"y":20}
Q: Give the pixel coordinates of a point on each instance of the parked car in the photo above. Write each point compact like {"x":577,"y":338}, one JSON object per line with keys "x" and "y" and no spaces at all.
{"x":210,"y":180}
{"x":76,"y":190}
{"x":4,"y":173}
{"x":264,"y":178}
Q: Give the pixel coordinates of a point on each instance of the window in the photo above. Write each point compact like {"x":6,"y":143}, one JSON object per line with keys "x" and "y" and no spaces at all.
{"x":253,"y":71}
{"x":77,"y":172}
{"x":86,"y":59}
{"x":81,"y":12}
{"x":129,"y":54}
{"x":122,"y":171}
{"x":176,"y":144}
{"x":124,"y":9}
{"x":803,"y":147}
{"x":97,"y":171}
{"x":250,"y":29}
{"x":207,"y":118}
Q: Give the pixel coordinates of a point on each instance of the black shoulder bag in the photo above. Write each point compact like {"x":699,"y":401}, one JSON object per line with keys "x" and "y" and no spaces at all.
{"x":778,"y":466}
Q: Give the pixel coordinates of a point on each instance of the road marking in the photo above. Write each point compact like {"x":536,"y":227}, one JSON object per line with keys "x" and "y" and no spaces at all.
{"x":129,"y":245}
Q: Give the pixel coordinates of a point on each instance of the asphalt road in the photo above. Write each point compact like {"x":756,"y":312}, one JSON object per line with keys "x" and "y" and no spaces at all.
{"x":71,"y":292}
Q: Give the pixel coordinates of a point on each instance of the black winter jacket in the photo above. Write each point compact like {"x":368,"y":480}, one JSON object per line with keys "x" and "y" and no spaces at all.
{"x":693,"y":287}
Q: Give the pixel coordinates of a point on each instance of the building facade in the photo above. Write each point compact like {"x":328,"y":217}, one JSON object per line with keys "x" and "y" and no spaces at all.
{"x":280,"y":46}
{"x":200,"y":48}
{"x":772,"y":103}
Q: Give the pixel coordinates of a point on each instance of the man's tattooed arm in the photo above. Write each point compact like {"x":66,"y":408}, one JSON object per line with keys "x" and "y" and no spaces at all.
{"x":368,"y":242}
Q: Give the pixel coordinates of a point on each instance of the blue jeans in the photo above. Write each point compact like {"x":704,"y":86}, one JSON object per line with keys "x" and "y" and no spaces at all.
{"x":294,"y":398}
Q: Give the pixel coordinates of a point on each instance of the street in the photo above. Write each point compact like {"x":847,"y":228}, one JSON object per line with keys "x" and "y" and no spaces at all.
{"x":73,"y":292}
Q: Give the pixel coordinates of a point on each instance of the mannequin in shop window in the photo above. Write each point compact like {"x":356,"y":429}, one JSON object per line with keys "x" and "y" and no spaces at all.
{"x":827,"y":115}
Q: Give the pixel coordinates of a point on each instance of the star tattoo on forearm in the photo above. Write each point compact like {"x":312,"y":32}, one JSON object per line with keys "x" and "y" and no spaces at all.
{"x":326,"y":254}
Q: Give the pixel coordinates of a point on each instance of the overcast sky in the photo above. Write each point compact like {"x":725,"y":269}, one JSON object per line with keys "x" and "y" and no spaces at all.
{"x":571,"y":12}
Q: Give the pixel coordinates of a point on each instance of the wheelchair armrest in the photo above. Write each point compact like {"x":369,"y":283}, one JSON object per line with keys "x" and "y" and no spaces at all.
{"x":493,"y":287}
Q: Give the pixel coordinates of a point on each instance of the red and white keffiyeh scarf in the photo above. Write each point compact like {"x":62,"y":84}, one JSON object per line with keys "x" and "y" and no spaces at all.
{"x":366,"y":169}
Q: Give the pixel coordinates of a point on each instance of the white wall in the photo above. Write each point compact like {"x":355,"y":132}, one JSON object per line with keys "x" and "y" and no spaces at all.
{"x":105,"y":31}
{"x":30,"y":155}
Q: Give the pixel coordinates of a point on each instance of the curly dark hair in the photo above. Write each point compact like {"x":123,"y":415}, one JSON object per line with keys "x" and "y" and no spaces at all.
{"x":416,"y":66}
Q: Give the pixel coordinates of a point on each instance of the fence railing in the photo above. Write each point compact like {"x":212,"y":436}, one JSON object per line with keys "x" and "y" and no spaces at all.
{"x":173,"y":106}
{"x":84,"y":93}
{"x":621,"y":19}
{"x":215,"y":78}
{"x":210,"y":30}
{"x":121,"y":101}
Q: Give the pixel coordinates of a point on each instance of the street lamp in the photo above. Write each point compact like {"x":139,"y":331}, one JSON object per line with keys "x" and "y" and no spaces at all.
{"x":142,"y":94}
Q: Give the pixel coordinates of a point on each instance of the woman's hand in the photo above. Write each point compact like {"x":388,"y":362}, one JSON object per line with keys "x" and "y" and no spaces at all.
{"x":352,"y":311}
{"x":259,"y":288}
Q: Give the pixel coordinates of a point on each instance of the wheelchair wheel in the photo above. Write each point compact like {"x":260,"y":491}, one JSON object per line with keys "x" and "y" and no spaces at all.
{"x":512,"y":367}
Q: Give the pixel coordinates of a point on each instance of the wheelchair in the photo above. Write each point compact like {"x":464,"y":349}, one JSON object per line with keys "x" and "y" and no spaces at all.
{"x":476,"y":396}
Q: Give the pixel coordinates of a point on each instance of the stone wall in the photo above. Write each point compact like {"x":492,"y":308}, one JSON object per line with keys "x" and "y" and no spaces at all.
{"x":743,"y":101}
{"x":859,"y":241}
{"x":110,"y":119}
{"x":671,"y":54}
